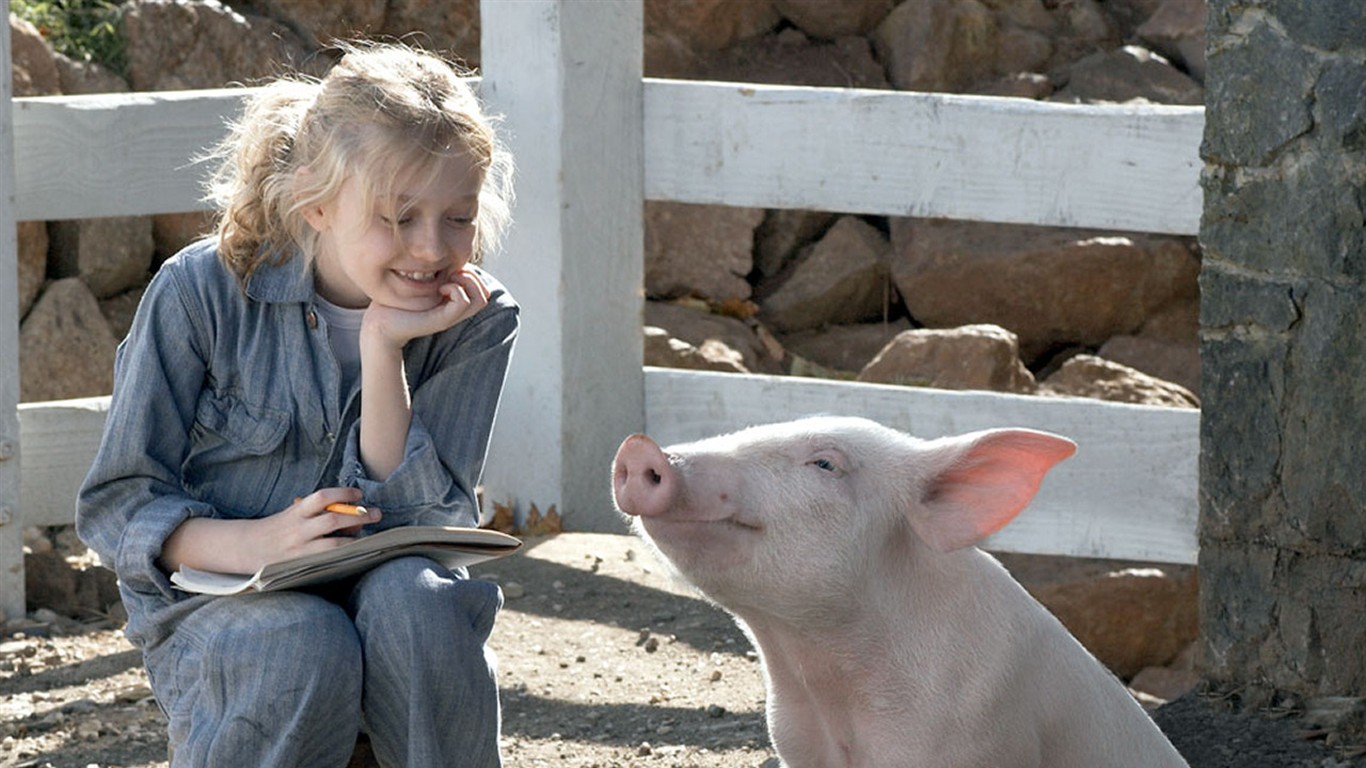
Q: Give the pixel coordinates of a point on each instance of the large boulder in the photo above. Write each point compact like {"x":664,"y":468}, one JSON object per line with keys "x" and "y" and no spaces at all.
{"x":789,"y":58}
{"x":842,"y":278}
{"x":1127,"y":74}
{"x":843,"y":348}
{"x":65,"y":347}
{"x":664,"y":351}
{"x":982,"y":357}
{"x":1051,"y":287}
{"x":699,"y":249}
{"x":1095,"y":377}
{"x":1130,"y":615}
{"x":111,"y":254}
{"x":183,"y":46}
{"x":33,"y":66}
{"x":697,"y":327}
{"x":825,"y":20}
{"x":451,"y":26}
{"x":33,"y":244}
{"x":1177,"y":31}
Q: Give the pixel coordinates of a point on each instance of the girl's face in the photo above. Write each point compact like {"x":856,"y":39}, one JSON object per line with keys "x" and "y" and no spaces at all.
{"x":402,"y":248}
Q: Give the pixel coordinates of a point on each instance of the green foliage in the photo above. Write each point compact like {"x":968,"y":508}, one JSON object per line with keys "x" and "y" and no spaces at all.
{"x":85,"y":30}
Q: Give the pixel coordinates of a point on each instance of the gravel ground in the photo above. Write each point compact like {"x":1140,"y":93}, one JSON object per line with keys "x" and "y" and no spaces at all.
{"x":603,"y":661}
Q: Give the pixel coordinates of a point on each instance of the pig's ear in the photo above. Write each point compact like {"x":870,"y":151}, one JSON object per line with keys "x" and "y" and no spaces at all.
{"x":979,"y":482}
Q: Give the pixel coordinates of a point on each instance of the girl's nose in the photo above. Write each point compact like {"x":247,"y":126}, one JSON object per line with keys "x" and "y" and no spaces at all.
{"x":424,"y":242}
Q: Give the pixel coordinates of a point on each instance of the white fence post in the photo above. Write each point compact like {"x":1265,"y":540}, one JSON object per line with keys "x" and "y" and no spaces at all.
{"x":11,"y":530}
{"x":566,"y":76}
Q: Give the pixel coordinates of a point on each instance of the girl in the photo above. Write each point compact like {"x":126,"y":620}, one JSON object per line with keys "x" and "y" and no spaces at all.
{"x":334,"y":342}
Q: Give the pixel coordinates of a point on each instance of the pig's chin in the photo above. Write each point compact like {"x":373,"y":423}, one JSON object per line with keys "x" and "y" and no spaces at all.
{"x":696,"y":545}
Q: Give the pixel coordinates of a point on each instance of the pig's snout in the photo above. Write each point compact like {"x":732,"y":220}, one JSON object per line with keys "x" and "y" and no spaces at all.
{"x":644,"y":483}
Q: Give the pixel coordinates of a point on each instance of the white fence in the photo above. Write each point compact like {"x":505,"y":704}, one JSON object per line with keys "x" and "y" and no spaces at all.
{"x":593,"y":139}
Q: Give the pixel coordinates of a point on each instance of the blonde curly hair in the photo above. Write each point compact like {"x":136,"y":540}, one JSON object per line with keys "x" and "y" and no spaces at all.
{"x":382,"y":112}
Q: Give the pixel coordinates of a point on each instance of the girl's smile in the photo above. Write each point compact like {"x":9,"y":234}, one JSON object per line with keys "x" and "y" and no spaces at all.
{"x":398,"y":249}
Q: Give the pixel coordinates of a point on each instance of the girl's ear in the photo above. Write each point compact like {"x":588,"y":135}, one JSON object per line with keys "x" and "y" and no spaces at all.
{"x":315,"y":214}
{"x":978,"y":482}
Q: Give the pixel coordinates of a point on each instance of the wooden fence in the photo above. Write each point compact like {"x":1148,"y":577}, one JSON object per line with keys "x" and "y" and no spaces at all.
{"x":593,"y":139}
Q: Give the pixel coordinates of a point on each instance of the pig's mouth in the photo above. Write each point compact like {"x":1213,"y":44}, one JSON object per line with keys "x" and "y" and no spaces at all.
{"x":729,"y":522}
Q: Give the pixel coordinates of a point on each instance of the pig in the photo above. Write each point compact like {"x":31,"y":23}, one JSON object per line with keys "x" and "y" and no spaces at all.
{"x":846,"y":552}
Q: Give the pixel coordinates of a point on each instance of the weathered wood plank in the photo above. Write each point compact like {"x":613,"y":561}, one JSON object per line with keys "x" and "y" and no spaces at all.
{"x":11,"y":538}
{"x":116,"y":154}
{"x":60,"y":439}
{"x":1129,"y":493}
{"x":566,"y":76}
{"x":879,"y":152}
{"x":1128,"y":167}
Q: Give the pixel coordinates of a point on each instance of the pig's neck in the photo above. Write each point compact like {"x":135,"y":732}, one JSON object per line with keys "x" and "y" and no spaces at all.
{"x":914,"y":640}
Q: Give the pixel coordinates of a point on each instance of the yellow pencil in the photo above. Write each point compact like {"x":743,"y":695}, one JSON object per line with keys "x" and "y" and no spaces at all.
{"x":347,"y":509}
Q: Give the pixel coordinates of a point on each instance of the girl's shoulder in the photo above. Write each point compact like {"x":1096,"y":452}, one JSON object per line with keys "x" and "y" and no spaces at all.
{"x":198,"y":264}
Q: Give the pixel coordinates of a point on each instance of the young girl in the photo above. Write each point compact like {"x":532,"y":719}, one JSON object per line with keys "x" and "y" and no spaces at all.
{"x":334,"y":342}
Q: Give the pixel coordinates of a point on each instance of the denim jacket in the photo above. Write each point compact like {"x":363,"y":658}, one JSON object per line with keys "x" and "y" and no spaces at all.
{"x":228,"y":405}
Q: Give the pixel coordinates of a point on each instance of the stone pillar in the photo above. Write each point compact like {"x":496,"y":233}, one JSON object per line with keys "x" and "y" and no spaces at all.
{"x":1283,"y":344}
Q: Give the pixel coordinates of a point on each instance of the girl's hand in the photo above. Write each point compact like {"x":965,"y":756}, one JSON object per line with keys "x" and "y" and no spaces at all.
{"x":244,"y":545}
{"x":463,"y":297}
{"x":306,"y":527}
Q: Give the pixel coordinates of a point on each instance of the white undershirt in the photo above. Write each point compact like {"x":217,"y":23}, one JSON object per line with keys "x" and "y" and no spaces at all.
{"x":343,"y":333}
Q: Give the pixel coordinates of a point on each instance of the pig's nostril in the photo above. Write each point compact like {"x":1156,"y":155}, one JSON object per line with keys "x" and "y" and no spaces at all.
{"x":654,"y":477}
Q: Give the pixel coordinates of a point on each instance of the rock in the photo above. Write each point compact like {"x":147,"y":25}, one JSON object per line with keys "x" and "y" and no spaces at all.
{"x":697,"y":327}
{"x":1173,"y":361}
{"x":972,"y":357}
{"x":1178,"y":322}
{"x":844,"y":347}
{"x":666,"y":352}
{"x":53,"y":584}
{"x":33,"y":247}
{"x":783,"y":233}
{"x":176,"y":46}
{"x":111,"y":254}
{"x":790,"y":58}
{"x":1172,"y":681}
{"x":1177,"y":31}
{"x":702,"y":249}
{"x":1127,"y":74}
{"x":119,"y":310}
{"x":65,"y":347}
{"x":34,"y":68}
{"x":710,"y":24}
{"x":1091,"y":376}
{"x":322,"y":21}
{"x":1129,"y":615}
{"x":84,"y":77}
{"x":842,"y":278}
{"x":825,"y":20}
{"x":1051,"y":287}
{"x":937,"y":45}
{"x":970,"y":46}
{"x":451,"y":26}
{"x":173,"y":231}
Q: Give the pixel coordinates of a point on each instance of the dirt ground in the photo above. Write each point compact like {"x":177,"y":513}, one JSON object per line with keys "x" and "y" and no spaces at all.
{"x":603,"y":661}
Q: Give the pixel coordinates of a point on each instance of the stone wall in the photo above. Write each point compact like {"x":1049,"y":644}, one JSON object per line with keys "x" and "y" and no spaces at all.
{"x":1283,"y":459}
{"x":1025,"y":309}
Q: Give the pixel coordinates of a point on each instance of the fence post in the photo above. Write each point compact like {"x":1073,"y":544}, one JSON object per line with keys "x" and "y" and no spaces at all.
{"x":566,"y":76}
{"x":11,"y":533}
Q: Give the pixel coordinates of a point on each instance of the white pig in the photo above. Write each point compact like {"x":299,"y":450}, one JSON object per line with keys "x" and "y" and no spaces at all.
{"x":845,"y":551}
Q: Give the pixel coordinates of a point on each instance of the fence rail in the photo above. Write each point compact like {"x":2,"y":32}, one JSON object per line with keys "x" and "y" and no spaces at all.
{"x":1131,"y":491}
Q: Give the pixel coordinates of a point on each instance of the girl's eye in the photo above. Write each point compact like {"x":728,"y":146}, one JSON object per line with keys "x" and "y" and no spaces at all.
{"x":388,"y":221}
{"x":460,"y":221}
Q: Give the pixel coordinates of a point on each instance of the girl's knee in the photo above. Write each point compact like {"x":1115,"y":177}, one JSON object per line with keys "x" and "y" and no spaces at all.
{"x":449,"y":604}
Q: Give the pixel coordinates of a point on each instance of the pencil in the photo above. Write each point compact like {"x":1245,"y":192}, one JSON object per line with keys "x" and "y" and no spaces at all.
{"x":347,"y":509}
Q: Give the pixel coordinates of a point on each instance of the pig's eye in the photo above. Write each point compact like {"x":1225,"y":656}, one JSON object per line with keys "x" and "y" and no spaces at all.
{"x":825,"y":464}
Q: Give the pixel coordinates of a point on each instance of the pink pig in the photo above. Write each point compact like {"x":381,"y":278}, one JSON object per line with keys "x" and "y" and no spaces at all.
{"x":845,"y":550}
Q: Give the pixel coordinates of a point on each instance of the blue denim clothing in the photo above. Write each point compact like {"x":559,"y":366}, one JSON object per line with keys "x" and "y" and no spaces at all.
{"x":228,"y":404}
{"x":274,"y":679}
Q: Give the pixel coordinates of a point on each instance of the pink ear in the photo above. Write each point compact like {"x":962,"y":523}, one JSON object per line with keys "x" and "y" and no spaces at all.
{"x":983,"y":481}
